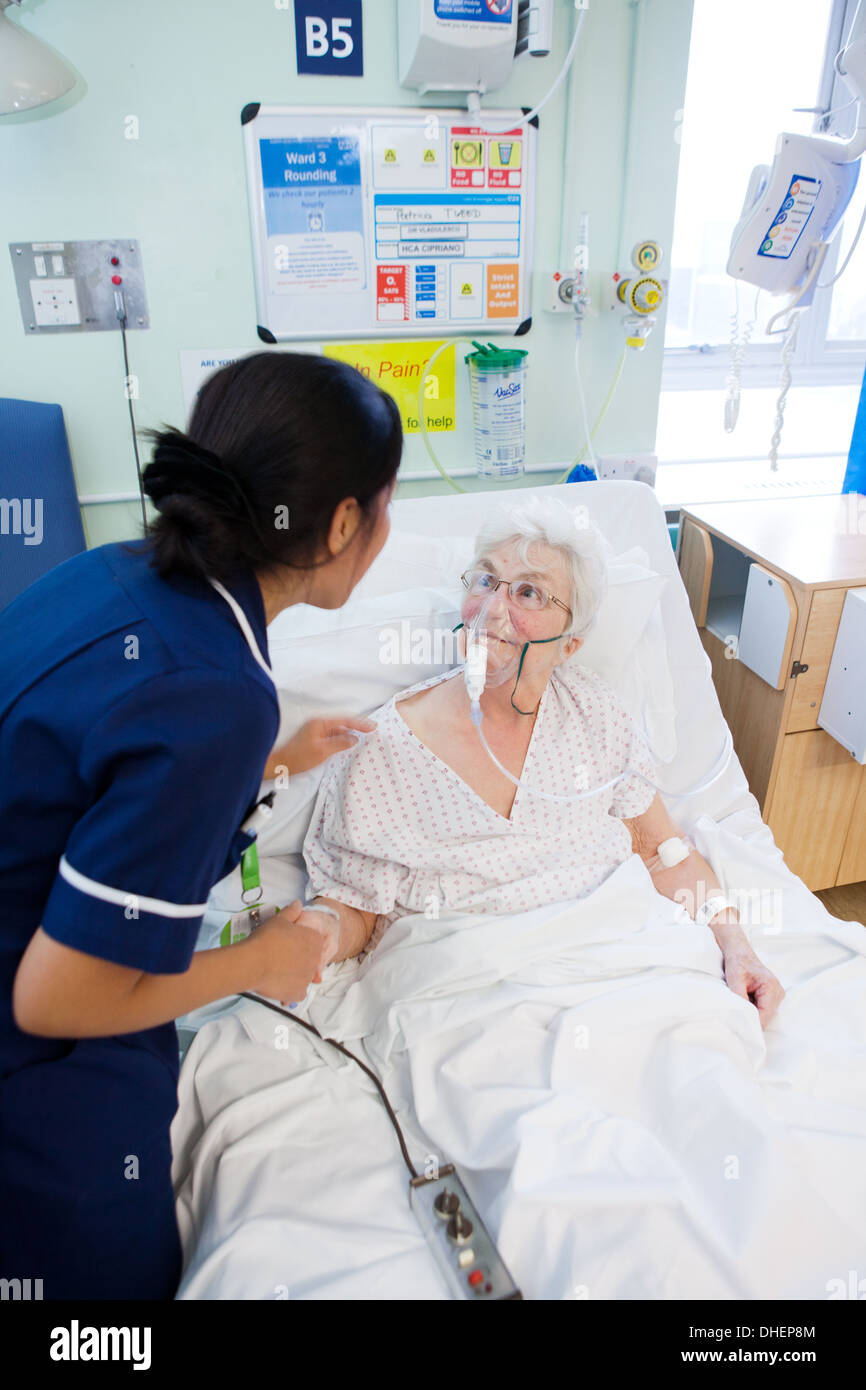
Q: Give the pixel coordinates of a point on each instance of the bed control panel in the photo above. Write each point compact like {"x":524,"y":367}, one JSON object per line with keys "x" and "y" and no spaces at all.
{"x":469,"y":1261}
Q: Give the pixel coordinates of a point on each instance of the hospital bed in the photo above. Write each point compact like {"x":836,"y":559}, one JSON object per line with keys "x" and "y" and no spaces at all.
{"x":622,"y":1123}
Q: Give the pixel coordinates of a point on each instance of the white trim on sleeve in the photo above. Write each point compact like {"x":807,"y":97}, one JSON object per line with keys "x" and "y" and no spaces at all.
{"x":121,"y":899}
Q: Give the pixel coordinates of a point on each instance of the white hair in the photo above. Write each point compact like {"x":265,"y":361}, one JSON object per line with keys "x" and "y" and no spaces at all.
{"x":549,"y":521}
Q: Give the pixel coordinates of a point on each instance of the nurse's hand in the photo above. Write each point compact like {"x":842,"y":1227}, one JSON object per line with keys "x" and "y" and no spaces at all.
{"x":290,"y":955}
{"x":314,"y":742}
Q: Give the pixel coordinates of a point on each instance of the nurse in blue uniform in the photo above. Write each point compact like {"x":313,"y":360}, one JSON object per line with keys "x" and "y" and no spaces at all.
{"x":137,"y":713}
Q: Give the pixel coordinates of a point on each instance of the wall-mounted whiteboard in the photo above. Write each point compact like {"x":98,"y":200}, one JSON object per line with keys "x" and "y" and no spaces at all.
{"x":394,"y":221}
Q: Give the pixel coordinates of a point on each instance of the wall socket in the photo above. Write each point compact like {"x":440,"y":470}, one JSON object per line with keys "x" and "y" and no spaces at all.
{"x":639,"y":468}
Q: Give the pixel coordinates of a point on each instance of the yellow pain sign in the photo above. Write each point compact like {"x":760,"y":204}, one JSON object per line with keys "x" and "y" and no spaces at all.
{"x":398,"y":369}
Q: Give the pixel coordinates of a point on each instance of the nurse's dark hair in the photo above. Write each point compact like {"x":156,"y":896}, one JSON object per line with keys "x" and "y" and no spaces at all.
{"x":276,"y":441}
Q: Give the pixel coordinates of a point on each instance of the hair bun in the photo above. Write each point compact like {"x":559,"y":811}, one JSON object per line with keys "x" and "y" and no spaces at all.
{"x":181,"y":467}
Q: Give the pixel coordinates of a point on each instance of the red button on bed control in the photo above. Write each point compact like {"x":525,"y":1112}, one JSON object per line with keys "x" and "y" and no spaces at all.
{"x":476,"y":1277}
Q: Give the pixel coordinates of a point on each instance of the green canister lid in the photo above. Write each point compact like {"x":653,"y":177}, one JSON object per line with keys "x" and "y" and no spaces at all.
{"x":494,"y":359}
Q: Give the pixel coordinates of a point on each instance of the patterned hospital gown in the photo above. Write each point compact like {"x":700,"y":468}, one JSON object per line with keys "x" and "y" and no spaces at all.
{"x":396,"y":830}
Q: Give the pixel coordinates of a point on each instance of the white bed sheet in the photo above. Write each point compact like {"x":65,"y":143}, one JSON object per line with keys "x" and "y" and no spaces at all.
{"x":625,"y":1126}
{"x":599,"y":1169}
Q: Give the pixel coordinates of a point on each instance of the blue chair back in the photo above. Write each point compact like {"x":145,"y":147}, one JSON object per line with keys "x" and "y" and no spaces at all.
{"x":40,"y":520}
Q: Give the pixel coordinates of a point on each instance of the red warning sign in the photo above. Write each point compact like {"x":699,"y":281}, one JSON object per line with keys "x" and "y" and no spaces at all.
{"x":392,"y":303}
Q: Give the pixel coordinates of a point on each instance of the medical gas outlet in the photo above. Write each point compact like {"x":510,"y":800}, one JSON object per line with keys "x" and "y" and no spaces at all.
{"x":563,"y":287}
{"x":571,"y":288}
{"x":641,"y":295}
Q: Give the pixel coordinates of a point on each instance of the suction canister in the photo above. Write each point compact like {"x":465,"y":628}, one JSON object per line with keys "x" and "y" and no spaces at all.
{"x":498,"y":385}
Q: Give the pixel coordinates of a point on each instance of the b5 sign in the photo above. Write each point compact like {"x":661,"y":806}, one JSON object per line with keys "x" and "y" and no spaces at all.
{"x":329,"y":37}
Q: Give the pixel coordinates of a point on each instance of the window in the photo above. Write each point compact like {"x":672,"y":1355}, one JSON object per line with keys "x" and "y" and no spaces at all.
{"x":747,"y":76}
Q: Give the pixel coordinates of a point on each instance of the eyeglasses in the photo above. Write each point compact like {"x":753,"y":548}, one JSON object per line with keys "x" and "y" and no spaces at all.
{"x":522,"y":593}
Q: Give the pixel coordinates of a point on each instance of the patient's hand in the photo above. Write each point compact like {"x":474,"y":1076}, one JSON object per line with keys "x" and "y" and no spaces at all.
{"x":314,"y":742}
{"x":747,"y":976}
{"x":320,"y":920}
{"x":289,"y":955}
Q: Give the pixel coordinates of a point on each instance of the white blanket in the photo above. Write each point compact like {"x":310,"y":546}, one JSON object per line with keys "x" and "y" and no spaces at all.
{"x":624,"y":1124}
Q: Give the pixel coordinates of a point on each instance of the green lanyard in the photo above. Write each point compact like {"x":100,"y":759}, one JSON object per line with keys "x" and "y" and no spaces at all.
{"x":237,"y":928}
{"x":250,"y":879}
{"x":250,"y":857}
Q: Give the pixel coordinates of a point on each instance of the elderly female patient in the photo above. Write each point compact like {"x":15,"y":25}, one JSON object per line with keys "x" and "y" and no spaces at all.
{"x":418,"y":818}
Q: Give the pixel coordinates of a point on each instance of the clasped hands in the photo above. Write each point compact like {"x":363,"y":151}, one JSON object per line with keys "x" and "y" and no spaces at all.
{"x":293,"y":949}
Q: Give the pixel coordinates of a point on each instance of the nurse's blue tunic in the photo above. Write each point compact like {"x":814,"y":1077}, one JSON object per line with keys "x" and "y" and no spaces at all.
{"x":135,"y":722}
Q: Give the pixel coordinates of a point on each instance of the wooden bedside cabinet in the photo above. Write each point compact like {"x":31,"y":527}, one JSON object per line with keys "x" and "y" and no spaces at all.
{"x":767,"y":582}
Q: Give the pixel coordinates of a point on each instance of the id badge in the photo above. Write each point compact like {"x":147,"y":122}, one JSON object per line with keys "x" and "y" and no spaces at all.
{"x":240,"y":924}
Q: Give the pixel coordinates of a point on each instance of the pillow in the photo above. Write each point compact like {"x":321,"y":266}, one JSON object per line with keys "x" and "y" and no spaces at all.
{"x":409,"y":560}
{"x":350,"y":660}
{"x":646,"y":688}
{"x":354,"y":659}
{"x":633,"y":594}
{"x":637,"y":668}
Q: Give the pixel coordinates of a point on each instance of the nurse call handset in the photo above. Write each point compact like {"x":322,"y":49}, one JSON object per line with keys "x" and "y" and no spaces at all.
{"x":462,"y":1248}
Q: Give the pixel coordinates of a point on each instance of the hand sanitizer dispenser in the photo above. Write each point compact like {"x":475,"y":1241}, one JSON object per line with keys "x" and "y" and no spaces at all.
{"x":456,"y":45}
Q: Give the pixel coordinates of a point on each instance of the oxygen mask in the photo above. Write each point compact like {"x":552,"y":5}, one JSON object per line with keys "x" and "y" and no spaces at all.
{"x":493,"y":647}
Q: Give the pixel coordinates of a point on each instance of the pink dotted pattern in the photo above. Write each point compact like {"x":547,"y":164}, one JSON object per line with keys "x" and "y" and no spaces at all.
{"x":396,"y":830}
